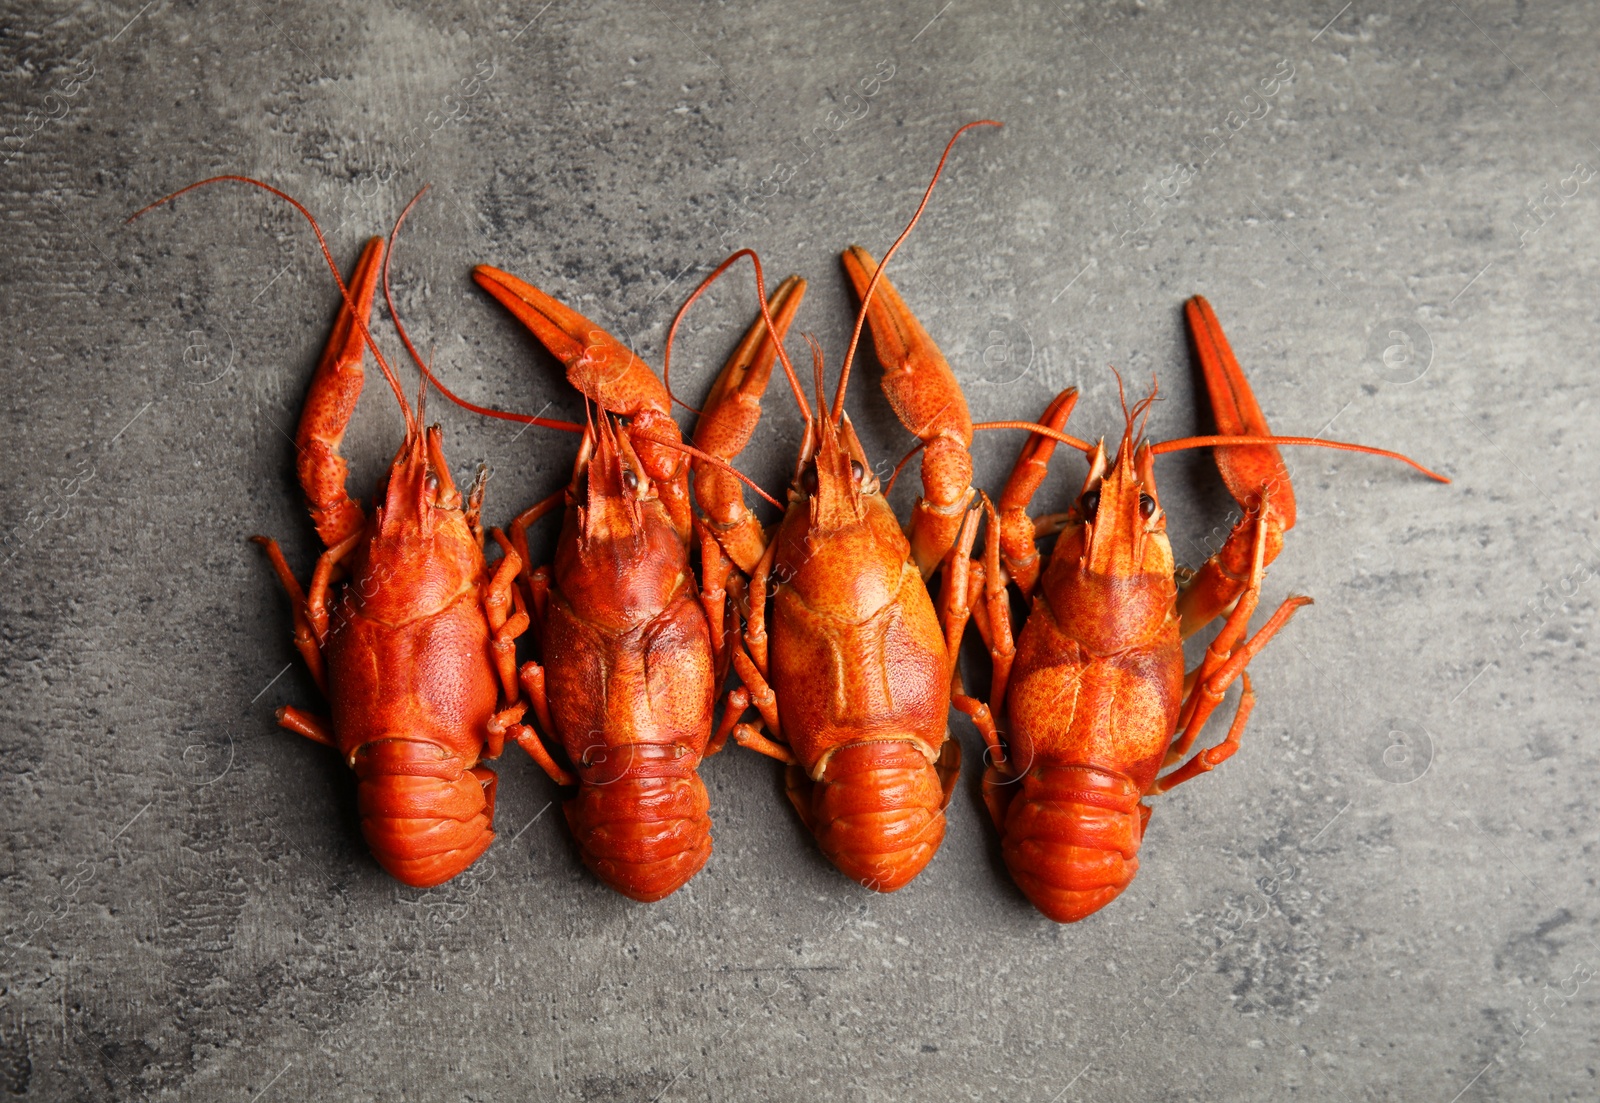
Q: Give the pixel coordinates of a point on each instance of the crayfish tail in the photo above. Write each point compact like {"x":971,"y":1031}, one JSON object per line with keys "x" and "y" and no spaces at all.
{"x":425,"y":816}
{"x":645,"y":836}
{"x":1070,"y":838}
{"x":877,"y":812}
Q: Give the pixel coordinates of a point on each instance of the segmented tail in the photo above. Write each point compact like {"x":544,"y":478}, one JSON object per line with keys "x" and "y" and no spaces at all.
{"x":1070,"y":836}
{"x":878,"y":810}
{"x":643,"y":826}
{"x":425,"y":815}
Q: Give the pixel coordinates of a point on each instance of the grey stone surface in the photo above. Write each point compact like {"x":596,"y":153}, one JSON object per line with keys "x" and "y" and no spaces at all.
{"x":1402,"y":240}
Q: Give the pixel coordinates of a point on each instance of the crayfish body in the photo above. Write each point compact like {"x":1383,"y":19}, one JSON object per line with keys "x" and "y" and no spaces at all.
{"x":1091,"y":702}
{"x":414,"y":649}
{"x":630,"y":656}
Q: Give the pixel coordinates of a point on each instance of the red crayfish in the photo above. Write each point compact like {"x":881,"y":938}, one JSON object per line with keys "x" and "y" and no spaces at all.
{"x":1092,"y":699}
{"x":406,"y":628}
{"x":853,"y":684}
{"x":631,"y":656}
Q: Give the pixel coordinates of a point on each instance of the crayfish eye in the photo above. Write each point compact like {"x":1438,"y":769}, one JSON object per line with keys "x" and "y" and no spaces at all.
{"x":630,"y":478}
{"x":808,"y":480}
{"x":432,"y":483}
{"x":1147,"y":506}
{"x":1089,"y":505}
{"x":857,"y":472}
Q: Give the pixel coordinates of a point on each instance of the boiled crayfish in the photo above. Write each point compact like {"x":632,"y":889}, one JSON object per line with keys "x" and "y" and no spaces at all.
{"x":406,"y":629}
{"x":1092,"y":699}
{"x":853,"y":682}
{"x":631,"y":656}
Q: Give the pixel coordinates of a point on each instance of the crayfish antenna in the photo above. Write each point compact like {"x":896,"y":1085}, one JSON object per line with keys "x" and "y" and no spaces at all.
{"x":1224,"y":441}
{"x":424,"y":368}
{"x":866,"y":296}
{"x":761,"y":294}
{"x":1141,"y":410}
{"x":358,"y":315}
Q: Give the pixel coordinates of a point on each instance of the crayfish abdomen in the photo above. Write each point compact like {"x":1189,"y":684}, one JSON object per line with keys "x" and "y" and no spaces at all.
{"x":878,"y":809}
{"x":1070,"y":835}
{"x":425,"y":813}
{"x":647,"y":831}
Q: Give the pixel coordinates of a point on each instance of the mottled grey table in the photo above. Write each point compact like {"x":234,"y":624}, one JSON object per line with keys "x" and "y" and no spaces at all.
{"x":1388,"y":894}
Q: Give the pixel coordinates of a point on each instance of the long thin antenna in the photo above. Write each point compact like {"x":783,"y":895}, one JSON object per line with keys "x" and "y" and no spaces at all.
{"x":861,"y":315}
{"x":388,"y":296}
{"x":1226,"y":441}
{"x":1041,"y":430}
{"x":766,"y":314}
{"x":707,"y":457}
{"x":327,"y":255}
{"x":422,"y":366}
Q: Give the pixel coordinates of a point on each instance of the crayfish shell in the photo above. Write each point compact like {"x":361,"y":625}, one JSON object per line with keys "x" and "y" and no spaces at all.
{"x":878,"y":810}
{"x":645,"y":830}
{"x":1070,"y":835}
{"x":425,"y":815}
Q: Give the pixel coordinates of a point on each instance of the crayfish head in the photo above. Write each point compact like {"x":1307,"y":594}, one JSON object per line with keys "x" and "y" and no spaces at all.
{"x":417,"y":485}
{"x":836,"y":479}
{"x":1112,"y":569}
{"x":1124,"y":530}
{"x":610,"y":485}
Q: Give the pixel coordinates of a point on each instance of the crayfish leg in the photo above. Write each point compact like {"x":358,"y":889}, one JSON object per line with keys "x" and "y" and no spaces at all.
{"x":994,"y":626}
{"x":928,"y":400}
{"x":749,"y":738}
{"x":1212,"y":757}
{"x":948,"y":767}
{"x":716,"y":570}
{"x":313,"y":727}
{"x":999,"y":786}
{"x":1227,"y":654}
{"x":533,"y":684}
{"x":491,"y":785}
{"x":797,"y":786}
{"x":983,"y":719}
{"x":507,"y":617}
{"x":330,"y":403}
{"x":956,"y":586}
{"x":306,"y":640}
{"x":1209,"y":690}
{"x":734,"y":706}
{"x":1255,"y":476}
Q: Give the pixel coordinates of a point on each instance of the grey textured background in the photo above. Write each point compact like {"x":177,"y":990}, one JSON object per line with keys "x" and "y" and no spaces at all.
{"x":1388,"y":894}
